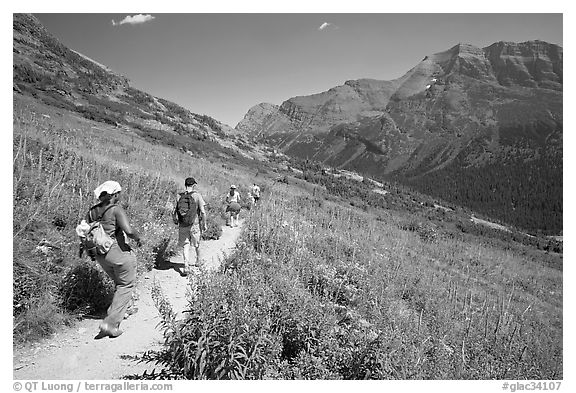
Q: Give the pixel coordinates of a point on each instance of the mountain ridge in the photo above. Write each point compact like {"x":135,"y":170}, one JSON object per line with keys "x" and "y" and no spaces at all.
{"x":467,"y":107}
{"x":435,"y":64}
{"x":454,"y":112}
{"x":58,"y":76}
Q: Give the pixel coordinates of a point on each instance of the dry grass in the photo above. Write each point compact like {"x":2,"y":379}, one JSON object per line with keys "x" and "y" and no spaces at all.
{"x":315,"y":290}
{"x":377,"y":301}
{"x":58,"y":159}
{"x":107,"y":145}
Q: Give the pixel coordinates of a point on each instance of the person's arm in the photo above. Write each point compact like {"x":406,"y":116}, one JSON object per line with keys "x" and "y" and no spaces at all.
{"x":122,"y":222}
{"x":202,"y":213}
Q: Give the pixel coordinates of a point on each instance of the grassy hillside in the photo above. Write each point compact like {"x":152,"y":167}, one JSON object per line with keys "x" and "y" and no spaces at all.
{"x":316,"y":289}
{"x":58,"y":159}
{"x":321,"y":290}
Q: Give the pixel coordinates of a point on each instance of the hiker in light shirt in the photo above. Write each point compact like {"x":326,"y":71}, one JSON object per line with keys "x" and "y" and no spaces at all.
{"x":255,"y":192}
{"x":233,"y":206}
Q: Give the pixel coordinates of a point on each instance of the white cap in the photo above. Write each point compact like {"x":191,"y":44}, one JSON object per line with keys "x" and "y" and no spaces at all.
{"x":110,"y":187}
{"x":232,"y":186}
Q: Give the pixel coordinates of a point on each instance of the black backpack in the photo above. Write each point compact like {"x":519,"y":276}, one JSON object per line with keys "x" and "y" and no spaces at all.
{"x":186,"y":209}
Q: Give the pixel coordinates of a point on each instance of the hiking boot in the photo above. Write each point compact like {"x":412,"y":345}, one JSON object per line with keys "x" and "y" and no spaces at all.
{"x":185,"y":271}
{"x":108,"y":331}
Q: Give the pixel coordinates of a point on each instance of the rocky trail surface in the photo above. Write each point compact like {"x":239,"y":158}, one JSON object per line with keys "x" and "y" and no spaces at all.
{"x":74,"y":353}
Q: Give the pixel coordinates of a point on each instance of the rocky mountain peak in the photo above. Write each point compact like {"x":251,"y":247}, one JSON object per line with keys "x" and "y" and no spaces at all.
{"x":463,"y":49}
{"x":534,"y":48}
{"x":528,"y":64}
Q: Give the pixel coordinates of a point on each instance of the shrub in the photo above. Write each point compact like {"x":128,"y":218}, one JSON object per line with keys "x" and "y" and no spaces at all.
{"x":219,"y":339}
{"x":427,"y":231}
{"x":210,"y":122}
{"x":86,"y":289}
{"x":214,"y":227}
{"x":41,"y":319}
{"x":24,"y":288}
{"x":34,"y":274}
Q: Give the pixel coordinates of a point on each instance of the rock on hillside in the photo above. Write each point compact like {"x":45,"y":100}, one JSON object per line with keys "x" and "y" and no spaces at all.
{"x":262,"y":119}
{"x":529,"y":64}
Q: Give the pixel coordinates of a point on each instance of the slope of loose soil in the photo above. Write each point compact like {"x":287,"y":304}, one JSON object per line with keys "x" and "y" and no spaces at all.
{"x":75,"y":354}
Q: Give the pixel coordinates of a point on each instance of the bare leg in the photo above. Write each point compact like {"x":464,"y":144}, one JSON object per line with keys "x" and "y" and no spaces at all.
{"x":199,"y":262}
{"x":183,"y":246}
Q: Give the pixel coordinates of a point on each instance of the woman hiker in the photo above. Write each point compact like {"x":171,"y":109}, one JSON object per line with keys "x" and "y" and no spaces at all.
{"x":233,"y":206}
{"x":120,"y":261}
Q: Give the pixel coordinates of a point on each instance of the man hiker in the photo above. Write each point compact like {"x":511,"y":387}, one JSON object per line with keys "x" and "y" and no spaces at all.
{"x":255,"y":193}
{"x":191,"y":223}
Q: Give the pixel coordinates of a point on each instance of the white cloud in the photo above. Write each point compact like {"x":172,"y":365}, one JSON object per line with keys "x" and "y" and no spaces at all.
{"x":134,"y":20}
{"x":325,"y":25}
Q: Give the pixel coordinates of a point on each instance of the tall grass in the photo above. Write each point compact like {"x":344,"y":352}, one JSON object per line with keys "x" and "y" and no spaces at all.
{"x":336,"y":293}
{"x":315,"y":290}
{"x":58,"y":160}
{"x":123,"y":149}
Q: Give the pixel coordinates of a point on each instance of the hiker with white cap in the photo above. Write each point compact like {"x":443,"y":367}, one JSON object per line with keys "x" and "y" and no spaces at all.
{"x":119,"y":262}
{"x":233,"y":206}
{"x":191,"y":219}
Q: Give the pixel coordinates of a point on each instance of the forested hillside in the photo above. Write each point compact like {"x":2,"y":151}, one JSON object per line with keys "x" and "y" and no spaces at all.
{"x":524,"y":193}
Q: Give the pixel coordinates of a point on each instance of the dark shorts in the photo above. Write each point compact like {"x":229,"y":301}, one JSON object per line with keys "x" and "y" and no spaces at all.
{"x":234,"y":207}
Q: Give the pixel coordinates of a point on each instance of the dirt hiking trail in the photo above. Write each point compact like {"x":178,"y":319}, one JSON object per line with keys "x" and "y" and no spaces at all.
{"x":74,"y":354}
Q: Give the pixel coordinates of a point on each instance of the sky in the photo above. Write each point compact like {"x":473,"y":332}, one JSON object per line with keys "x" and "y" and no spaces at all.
{"x":222,"y":64}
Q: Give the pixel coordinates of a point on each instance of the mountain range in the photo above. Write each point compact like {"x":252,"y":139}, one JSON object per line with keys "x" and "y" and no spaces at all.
{"x":480,"y":127}
{"x":477,"y":126}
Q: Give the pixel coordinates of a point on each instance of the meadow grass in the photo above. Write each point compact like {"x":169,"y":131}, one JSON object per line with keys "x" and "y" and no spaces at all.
{"x":58,"y":159}
{"x":316,"y":289}
{"x":122,"y":149}
{"x":337,"y":293}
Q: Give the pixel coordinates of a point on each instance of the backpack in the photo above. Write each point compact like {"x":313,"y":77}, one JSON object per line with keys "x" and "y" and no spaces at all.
{"x":186,"y":210}
{"x":96,"y":240}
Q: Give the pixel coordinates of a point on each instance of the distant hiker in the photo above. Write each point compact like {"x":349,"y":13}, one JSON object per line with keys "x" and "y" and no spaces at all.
{"x":255,"y":191}
{"x":233,"y":206}
{"x":120,"y":261}
{"x":191,"y":213}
